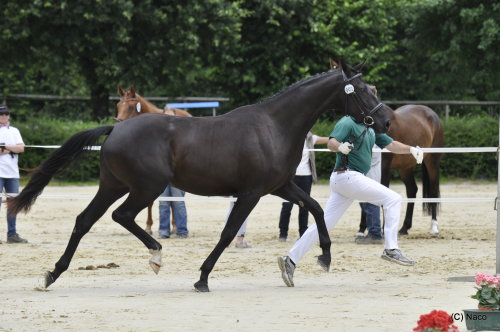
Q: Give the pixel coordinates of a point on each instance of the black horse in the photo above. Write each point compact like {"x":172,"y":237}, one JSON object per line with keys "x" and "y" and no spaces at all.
{"x":247,"y":153}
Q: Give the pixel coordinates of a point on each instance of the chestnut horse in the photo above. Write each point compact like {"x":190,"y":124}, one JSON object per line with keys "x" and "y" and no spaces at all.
{"x":247,"y":153}
{"x":132,"y":104}
{"x":414,"y":125}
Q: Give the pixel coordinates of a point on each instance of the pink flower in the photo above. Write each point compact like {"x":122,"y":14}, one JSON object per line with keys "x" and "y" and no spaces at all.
{"x":483,"y":279}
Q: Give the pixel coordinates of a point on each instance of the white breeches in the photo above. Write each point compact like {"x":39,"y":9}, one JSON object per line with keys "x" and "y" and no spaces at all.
{"x":345,"y":189}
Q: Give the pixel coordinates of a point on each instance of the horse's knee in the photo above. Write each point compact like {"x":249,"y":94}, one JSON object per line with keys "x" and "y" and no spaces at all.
{"x":120,"y":217}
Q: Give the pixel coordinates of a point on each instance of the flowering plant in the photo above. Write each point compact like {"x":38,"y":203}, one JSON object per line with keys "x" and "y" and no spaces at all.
{"x":488,"y":292}
{"x":436,"y":321}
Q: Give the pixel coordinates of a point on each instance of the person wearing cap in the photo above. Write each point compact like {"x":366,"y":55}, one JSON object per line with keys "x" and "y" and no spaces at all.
{"x":11,"y":144}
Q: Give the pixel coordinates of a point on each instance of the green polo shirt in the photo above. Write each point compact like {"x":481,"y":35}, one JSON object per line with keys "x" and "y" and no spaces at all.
{"x":359,"y":159}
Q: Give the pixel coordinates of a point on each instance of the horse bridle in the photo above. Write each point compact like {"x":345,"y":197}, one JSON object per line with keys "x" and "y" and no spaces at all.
{"x":349,"y":90}
{"x":367,"y":116}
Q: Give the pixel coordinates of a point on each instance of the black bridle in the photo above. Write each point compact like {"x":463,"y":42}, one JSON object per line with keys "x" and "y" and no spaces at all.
{"x":349,"y":90}
{"x":367,"y":115}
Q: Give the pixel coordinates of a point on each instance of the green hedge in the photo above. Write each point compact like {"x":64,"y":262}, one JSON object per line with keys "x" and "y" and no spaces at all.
{"x":469,"y":131}
{"x":466,"y":131}
{"x":48,"y":131}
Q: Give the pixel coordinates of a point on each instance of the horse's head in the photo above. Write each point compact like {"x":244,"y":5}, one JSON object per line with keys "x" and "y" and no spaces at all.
{"x":129,"y":104}
{"x":361,"y":100}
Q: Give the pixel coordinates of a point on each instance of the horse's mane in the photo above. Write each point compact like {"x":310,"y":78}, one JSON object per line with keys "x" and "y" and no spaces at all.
{"x":296,"y":84}
{"x":144,"y":100}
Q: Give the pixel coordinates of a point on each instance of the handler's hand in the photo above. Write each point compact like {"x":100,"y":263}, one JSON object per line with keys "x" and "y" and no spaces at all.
{"x":345,"y":147}
{"x":417,"y":153}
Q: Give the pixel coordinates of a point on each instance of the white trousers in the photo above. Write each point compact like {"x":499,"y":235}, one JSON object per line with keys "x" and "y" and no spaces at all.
{"x":345,"y":189}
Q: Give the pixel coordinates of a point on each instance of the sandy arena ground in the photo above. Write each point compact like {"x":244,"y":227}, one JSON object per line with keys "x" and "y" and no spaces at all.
{"x":360,"y":293}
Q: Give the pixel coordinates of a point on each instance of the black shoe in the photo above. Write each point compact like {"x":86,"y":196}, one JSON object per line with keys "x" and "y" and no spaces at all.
{"x":16,"y":239}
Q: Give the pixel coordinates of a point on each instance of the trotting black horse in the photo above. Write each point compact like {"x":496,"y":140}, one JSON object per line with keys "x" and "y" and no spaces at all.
{"x":247,"y":153}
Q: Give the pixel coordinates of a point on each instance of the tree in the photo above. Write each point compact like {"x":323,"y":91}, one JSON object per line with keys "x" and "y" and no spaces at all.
{"x":451,"y":49}
{"x":102,"y":43}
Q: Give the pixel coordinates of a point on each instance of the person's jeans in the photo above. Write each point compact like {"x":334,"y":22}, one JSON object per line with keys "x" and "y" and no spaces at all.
{"x":11,"y":185}
{"x":372,"y":213}
{"x":180,"y":213}
{"x":305,"y":183}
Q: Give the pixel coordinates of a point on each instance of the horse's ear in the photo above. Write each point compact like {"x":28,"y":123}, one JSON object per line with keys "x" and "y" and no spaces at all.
{"x":121,"y":92}
{"x":333,"y":64}
{"x":132,"y":90}
{"x":359,"y":66}
{"x":373,"y":89}
{"x":345,"y":68}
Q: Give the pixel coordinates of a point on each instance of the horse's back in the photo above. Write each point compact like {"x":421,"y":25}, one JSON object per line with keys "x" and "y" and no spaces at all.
{"x":203,"y":155}
{"x":415,"y":125}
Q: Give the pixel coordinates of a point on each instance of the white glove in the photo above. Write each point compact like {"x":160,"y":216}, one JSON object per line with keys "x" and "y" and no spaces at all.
{"x":417,"y":153}
{"x":345,"y":147}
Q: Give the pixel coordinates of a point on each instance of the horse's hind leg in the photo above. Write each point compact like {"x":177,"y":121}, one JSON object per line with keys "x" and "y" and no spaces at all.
{"x":149,"y":221}
{"x":292,"y":193}
{"x":430,"y":179}
{"x":241,"y":209}
{"x":84,"y":222}
{"x":125,"y":216}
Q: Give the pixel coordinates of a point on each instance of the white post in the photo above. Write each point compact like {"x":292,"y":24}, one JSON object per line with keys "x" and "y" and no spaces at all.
{"x":496,"y":206}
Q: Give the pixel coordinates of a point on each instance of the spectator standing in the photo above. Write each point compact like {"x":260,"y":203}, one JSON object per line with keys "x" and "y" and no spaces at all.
{"x":305,"y":176}
{"x":371,"y":212}
{"x":11,"y":145}
{"x":179,"y":211}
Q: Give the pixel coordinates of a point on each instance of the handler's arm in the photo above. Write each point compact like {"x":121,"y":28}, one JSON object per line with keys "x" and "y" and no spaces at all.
{"x":398,"y":148}
{"x":17,"y":148}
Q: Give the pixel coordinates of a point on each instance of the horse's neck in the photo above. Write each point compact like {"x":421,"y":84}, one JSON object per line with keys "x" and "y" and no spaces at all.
{"x":297,"y":109}
{"x":147,"y":106}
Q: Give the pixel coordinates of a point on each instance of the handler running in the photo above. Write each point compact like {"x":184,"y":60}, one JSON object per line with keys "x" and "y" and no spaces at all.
{"x":353,"y":143}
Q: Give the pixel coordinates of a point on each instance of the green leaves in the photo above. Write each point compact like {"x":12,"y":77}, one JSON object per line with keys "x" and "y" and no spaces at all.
{"x":247,"y":50}
{"x":488,"y":297}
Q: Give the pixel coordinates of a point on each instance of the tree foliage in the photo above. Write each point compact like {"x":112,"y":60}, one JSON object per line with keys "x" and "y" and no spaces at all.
{"x":246,"y":49}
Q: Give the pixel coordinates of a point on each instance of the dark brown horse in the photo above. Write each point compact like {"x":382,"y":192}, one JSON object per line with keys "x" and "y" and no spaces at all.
{"x":247,"y":153}
{"x":415,"y":125}
{"x":132,"y":104}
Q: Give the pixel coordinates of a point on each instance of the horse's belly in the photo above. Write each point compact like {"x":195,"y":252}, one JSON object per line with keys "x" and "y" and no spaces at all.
{"x":403,"y":161}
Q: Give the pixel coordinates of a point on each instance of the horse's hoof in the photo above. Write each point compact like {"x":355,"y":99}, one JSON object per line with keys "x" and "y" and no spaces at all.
{"x":45,"y":282}
{"x":434,"y":228}
{"x":201,"y":287}
{"x":155,"y":260}
{"x":403,"y":232}
{"x":324,"y":262}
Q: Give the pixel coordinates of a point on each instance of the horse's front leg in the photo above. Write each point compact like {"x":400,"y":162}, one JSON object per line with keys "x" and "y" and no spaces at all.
{"x":241,"y":209}
{"x":149,"y":221}
{"x":292,"y":193}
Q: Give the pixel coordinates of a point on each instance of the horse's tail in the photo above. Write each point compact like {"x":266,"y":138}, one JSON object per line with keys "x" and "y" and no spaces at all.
{"x":428,"y":192}
{"x":57,"y":160}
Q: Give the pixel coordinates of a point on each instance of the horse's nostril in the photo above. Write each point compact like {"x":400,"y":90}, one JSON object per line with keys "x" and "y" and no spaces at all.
{"x":388,"y":124}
